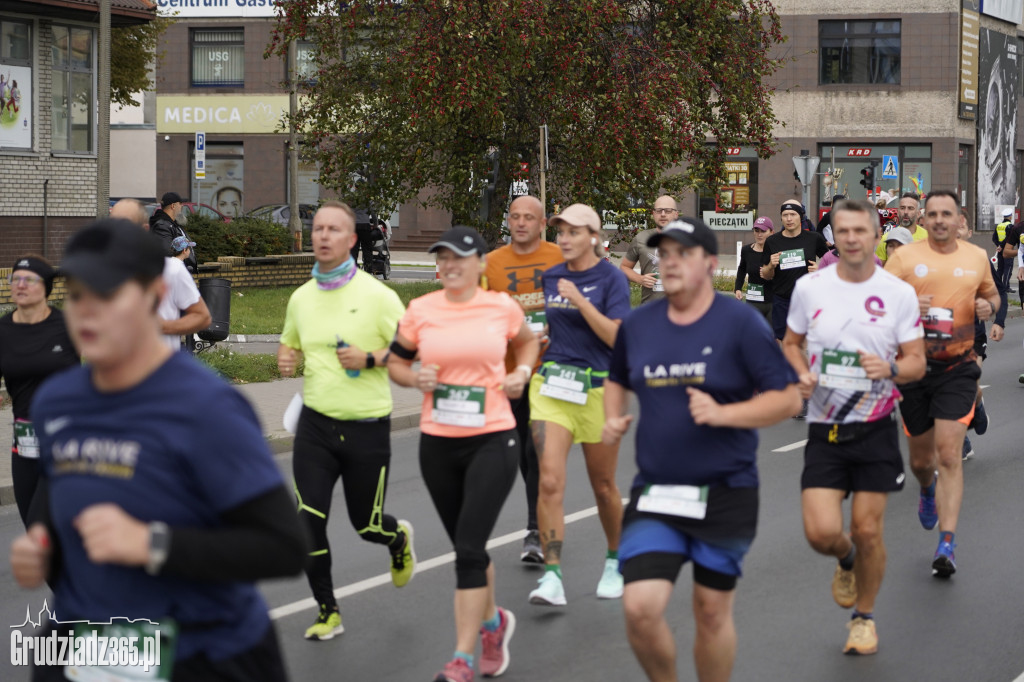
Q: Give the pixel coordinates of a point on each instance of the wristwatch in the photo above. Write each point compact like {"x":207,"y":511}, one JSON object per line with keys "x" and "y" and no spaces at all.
{"x":894,"y":369}
{"x":371,"y":361}
{"x":159,"y":546}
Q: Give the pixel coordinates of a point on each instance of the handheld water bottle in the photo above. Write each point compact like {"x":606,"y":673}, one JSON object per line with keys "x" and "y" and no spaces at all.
{"x":352,"y":373}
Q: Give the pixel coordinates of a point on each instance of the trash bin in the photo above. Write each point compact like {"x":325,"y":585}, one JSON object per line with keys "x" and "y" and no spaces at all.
{"x":216,"y":292}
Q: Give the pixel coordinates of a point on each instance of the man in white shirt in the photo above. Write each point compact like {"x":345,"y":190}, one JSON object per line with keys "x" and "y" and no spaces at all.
{"x":182,"y":310}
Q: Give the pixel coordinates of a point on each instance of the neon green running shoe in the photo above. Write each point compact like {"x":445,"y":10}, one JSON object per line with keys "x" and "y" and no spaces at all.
{"x":327,"y":625}
{"x":403,"y":564}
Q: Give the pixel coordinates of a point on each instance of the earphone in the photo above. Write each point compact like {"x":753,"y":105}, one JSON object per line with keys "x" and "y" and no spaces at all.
{"x":593,"y":241}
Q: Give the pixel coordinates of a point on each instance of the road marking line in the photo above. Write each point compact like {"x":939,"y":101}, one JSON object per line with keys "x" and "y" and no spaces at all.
{"x":425,"y":565}
{"x":1020,"y":679}
{"x":986,"y":386}
{"x":791,"y":446}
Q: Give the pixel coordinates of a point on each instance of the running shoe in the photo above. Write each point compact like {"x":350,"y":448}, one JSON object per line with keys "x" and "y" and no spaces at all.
{"x":533,"y":553}
{"x":549,"y":592}
{"x":944,"y":564}
{"x":610,"y":585}
{"x":979,"y":422}
{"x":968,"y":451}
{"x":403,"y":564}
{"x":926,"y":511}
{"x":455,"y":670}
{"x":494,"y":657}
{"x":844,"y":587}
{"x":863,"y":639}
{"x":327,"y":625}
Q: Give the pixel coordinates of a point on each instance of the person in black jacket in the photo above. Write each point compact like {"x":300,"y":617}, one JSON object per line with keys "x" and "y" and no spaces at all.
{"x":164,"y":224}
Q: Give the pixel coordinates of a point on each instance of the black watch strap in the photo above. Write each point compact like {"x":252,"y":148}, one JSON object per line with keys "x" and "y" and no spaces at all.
{"x":371,"y":361}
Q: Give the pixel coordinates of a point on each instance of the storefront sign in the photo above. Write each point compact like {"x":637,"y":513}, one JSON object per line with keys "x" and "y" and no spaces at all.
{"x":16,"y":107}
{"x":729,"y":221}
{"x":1007,"y":10}
{"x":221,"y":113}
{"x":218,"y":8}
{"x":858,"y":151}
{"x":969,"y":27}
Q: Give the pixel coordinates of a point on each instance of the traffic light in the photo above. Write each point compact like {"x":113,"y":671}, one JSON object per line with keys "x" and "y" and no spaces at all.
{"x":868,"y":179}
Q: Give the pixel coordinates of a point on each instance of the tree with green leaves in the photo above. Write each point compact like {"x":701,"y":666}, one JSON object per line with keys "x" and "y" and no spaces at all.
{"x":133,"y":58}
{"x":442,"y":99}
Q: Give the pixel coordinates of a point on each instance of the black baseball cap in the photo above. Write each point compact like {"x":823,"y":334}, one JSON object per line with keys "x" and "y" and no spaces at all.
{"x":170,"y":198}
{"x":109,"y":252}
{"x":464,"y":241}
{"x":688,"y":232}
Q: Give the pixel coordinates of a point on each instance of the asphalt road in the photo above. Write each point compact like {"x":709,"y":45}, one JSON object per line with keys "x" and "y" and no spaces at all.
{"x":970,"y":627}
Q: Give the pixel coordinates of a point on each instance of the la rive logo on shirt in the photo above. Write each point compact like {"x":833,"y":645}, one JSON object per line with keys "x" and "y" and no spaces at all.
{"x":683,"y":373}
{"x":557,"y":301}
{"x":106,"y":457}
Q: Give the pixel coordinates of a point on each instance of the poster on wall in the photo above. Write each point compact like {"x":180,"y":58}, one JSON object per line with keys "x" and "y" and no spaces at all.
{"x":223,"y":188}
{"x":15,"y":106}
{"x":999,"y":86}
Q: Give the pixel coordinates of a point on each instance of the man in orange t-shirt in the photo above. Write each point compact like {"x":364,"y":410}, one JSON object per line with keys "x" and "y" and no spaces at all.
{"x":516,"y":269}
{"x":954,"y":283}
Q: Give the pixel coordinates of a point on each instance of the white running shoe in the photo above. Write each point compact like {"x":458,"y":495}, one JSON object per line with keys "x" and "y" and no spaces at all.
{"x":610,"y":586}
{"x":549,"y":591}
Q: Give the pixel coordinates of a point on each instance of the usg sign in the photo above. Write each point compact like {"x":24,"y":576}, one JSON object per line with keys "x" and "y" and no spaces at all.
{"x":220,"y":8}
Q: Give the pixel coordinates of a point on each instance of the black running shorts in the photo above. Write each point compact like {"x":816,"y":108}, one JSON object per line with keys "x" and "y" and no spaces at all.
{"x":945,"y":392}
{"x":861,"y":457}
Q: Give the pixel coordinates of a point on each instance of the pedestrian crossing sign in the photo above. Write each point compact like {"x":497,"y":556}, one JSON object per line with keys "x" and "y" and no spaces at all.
{"x":890,"y":167}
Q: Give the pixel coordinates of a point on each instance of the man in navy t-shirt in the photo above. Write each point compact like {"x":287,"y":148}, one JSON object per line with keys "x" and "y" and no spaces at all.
{"x":702,"y":394}
{"x":159,"y":498}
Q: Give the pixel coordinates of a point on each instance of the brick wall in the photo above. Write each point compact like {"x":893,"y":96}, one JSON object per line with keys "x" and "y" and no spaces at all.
{"x":289,"y":271}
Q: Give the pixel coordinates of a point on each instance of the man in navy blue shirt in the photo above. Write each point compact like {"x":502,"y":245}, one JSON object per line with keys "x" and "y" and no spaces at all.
{"x":688,"y":359}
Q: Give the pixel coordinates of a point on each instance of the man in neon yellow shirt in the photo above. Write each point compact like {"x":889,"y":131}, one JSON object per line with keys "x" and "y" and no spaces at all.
{"x":909,"y":210}
{"x":341,"y":323}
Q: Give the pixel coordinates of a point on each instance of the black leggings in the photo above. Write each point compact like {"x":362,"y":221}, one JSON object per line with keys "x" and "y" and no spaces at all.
{"x":468,"y":480}
{"x":360,"y":453}
{"x":363,"y":240}
{"x":25,"y":472}
{"x":528,"y":465}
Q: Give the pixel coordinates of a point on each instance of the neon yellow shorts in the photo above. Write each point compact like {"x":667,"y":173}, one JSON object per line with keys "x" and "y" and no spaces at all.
{"x":584,"y":422}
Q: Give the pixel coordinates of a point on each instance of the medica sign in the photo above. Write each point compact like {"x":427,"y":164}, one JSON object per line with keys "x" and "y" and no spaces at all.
{"x":221,"y":113}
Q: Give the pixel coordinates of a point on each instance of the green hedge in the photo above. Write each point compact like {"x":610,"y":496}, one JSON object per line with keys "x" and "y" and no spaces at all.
{"x":246,"y":236}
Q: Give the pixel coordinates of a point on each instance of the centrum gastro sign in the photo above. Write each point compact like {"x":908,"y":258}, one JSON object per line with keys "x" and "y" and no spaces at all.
{"x":220,"y":113}
{"x":218,"y":8}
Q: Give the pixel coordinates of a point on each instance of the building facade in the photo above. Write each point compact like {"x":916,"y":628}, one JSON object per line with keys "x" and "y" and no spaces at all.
{"x":48,"y":100}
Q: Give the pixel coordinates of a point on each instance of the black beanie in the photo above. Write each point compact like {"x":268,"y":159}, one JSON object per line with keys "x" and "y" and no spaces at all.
{"x":39,"y":267}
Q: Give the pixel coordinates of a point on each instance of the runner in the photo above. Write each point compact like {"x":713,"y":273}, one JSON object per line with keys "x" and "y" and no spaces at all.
{"x":702,"y":394}
{"x":759,"y":289}
{"x":953,"y":283}
{"x":34,"y":344}
{"x":469,"y":448}
{"x":853,"y":442}
{"x":586,"y":298}
{"x":664,"y":211}
{"x":159,"y":497}
{"x":516,"y":269}
{"x":341,"y":322}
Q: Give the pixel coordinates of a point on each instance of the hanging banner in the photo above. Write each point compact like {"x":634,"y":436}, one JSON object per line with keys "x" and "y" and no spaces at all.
{"x":970,"y":23}
{"x":997,"y":131}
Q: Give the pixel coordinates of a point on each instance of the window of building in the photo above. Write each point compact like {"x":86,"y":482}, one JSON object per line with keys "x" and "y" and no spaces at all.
{"x":305,"y":61}
{"x":859,"y":51}
{"x":74,"y":89}
{"x":224,"y":185}
{"x":218,"y":57}
{"x":15,"y":84}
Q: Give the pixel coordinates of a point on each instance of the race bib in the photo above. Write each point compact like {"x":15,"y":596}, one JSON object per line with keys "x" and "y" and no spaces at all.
{"x":565,"y":382}
{"x":841,"y":369}
{"x":794,"y":258}
{"x":536,"y":321}
{"x":755,"y":292}
{"x":120,"y":658}
{"x":25,"y":439}
{"x":688,"y":501}
{"x":459,"y":405}
{"x":938,"y":324}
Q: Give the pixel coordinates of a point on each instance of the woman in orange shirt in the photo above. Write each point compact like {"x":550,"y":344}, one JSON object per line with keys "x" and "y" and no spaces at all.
{"x":469,"y":448}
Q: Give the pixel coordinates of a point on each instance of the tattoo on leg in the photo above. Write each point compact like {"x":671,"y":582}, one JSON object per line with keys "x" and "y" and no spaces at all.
{"x":537,"y":428}
{"x":553,"y":550}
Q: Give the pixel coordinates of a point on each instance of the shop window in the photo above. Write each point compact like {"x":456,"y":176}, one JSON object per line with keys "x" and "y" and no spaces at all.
{"x":73,"y":97}
{"x":15,"y":84}
{"x":305,"y":61}
{"x":898,"y":169}
{"x":223,"y":188}
{"x":859,"y":52}
{"x":734,"y":205}
{"x":218,"y":57}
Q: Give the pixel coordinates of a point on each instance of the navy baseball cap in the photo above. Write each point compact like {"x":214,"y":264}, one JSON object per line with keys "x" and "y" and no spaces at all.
{"x":109,"y":252}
